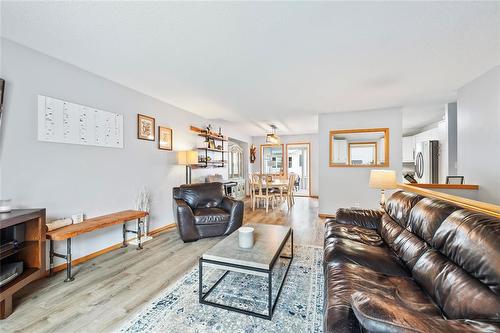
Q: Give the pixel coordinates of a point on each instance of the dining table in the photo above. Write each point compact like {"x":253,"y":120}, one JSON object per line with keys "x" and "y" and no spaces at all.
{"x":280,"y":183}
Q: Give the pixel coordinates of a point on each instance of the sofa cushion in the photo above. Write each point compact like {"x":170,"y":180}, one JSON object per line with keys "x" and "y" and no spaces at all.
{"x":426,"y":217}
{"x":376,"y":258}
{"x":343,"y":280}
{"x":210,"y":216}
{"x":389,"y":229}
{"x":456,"y":292}
{"x":409,"y":248}
{"x":367,"y":218}
{"x":399,"y":204}
{"x":204,"y":195}
{"x":352,"y":232}
{"x":471,"y":241}
{"x":380,"y":314}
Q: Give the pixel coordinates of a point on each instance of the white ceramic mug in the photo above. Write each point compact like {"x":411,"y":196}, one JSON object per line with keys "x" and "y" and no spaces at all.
{"x":245,"y":237}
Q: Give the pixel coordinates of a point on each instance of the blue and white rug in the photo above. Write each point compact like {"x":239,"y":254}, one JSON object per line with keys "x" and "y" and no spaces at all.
{"x":299,"y":307}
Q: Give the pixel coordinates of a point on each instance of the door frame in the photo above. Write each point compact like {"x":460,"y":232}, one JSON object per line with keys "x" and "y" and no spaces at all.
{"x":308,"y":144}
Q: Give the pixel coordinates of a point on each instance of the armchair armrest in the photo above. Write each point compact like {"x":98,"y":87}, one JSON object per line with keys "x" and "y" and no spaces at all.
{"x":184,"y":218}
{"x":366,"y":218}
{"x":377,"y":313}
{"x":235,"y":208}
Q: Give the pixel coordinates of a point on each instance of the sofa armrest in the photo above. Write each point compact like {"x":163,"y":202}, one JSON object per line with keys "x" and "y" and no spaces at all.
{"x":184,"y":218}
{"x":235,"y":208}
{"x":377,"y":313}
{"x":366,"y":218}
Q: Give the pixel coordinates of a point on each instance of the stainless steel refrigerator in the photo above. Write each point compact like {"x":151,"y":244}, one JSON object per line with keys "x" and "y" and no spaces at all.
{"x":427,"y":162}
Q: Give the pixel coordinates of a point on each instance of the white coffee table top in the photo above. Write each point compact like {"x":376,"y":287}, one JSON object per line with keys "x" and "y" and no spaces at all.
{"x":268,"y":240}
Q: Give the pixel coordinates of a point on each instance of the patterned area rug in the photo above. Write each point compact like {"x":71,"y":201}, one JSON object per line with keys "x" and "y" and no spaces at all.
{"x":299,"y":307}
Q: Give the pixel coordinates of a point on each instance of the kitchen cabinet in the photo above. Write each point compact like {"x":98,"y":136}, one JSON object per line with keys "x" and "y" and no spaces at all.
{"x":340,"y":151}
{"x":409,"y":149}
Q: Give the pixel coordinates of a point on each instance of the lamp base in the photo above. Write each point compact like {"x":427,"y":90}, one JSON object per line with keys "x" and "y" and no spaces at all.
{"x":382,"y":199}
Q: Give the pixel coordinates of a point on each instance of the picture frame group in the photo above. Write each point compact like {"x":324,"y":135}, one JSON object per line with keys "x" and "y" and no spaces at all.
{"x":146,"y":130}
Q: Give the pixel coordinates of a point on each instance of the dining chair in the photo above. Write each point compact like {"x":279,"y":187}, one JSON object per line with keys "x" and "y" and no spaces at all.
{"x":263,"y":191}
{"x":290,"y":199}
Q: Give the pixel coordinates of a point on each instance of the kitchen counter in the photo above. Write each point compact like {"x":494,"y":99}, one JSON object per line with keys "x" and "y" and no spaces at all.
{"x":448,"y":186}
{"x":462,"y":190}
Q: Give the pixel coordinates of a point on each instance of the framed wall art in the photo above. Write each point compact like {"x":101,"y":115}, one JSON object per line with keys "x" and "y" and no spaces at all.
{"x":145,"y":127}
{"x":164,"y":138}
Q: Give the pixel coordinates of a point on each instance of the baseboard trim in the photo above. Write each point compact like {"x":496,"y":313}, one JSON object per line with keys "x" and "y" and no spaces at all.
{"x":326,"y":216}
{"x":90,"y":256}
{"x":163,"y":229}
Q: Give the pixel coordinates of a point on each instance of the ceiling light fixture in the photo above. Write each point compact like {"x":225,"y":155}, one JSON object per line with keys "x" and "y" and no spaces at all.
{"x":272,"y":137}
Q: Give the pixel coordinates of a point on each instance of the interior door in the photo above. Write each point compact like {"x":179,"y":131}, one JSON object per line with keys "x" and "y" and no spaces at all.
{"x":299,"y":163}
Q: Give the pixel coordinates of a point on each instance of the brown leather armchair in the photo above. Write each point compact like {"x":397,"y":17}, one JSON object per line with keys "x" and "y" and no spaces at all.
{"x":202,"y":210}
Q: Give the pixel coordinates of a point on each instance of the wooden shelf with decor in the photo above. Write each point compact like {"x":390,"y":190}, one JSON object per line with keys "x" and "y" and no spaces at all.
{"x":205,"y":134}
{"x":220,"y":149}
{"x":211,"y":149}
{"x":31,"y":252}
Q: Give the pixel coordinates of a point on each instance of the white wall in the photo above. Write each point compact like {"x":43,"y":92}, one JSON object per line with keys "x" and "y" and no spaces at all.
{"x":478,"y":120}
{"x":67,"y":179}
{"x":347,"y":187}
{"x":311,"y":138}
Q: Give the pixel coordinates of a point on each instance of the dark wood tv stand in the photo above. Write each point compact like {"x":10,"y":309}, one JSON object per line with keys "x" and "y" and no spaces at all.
{"x":32,"y":253}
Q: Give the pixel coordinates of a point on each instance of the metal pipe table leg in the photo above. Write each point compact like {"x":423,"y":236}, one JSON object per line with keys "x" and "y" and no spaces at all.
{"x":139,"y":234}
{"x":51,"y":256}
{"x":69,"y":277}
{"x":124,"y":234}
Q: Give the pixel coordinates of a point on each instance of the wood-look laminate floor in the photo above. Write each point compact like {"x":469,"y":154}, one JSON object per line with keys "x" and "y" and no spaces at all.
{"x":107,"y":290}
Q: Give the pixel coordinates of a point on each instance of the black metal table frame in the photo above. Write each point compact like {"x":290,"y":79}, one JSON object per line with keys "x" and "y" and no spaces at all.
{"x":67,"y":256}
{"x":271,"y":305}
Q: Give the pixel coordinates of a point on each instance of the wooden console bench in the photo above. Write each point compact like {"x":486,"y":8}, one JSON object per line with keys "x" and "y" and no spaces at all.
{"x":96,"y":223}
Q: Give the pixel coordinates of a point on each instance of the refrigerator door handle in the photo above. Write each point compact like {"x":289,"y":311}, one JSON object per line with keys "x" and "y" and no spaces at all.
{"x":419,"y":165}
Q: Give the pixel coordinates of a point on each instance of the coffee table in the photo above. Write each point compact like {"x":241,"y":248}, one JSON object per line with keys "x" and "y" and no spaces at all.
{"x":260,"y":260}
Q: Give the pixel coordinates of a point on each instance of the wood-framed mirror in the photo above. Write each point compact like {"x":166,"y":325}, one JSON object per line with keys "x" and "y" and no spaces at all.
{"x":359,"y":148}
{"x":271,"y":159}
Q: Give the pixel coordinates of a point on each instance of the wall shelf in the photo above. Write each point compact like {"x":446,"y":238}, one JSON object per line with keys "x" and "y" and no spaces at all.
{"x":212,"y":149}
{"x":211,"y":136}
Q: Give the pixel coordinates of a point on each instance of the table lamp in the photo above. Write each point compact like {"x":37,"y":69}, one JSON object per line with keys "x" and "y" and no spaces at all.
{"x":383,"y":180}
{"x":187,"y":158}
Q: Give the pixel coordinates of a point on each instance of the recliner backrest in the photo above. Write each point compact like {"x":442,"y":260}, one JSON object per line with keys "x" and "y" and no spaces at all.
{"x":399,"y":205}
{"x":203,"y":195}
{"x":453,"y":253}
{"x":462,"y":271}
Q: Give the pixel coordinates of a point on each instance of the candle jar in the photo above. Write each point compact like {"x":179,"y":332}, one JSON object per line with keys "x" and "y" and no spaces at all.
{"x":245,"y":237}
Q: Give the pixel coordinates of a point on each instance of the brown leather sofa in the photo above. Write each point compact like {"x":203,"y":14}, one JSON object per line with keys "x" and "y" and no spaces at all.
{"x":421,"y":266}
{"x":202,"y":210}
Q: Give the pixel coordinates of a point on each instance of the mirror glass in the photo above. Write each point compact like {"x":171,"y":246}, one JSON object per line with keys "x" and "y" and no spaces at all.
{"x":271,"y":159}
{"x":359,"y":148}
{"x":235,"y":161}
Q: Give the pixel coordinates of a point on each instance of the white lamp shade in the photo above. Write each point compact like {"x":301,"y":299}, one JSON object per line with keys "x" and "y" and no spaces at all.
{"x":383,"y":179}
{"x":187,"y":157}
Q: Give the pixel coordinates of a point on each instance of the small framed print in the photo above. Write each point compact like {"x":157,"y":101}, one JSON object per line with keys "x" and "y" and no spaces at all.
{"x":211,"y":143}
{"x":145,"y":127}
{"x":164,"y":138}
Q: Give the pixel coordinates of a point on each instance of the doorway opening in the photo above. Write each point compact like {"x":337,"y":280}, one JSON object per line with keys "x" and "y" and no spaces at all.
{"x":299,"y":163}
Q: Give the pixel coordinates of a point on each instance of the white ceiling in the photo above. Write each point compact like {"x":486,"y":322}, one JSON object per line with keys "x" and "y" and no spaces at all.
{"x":263,"y":62}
